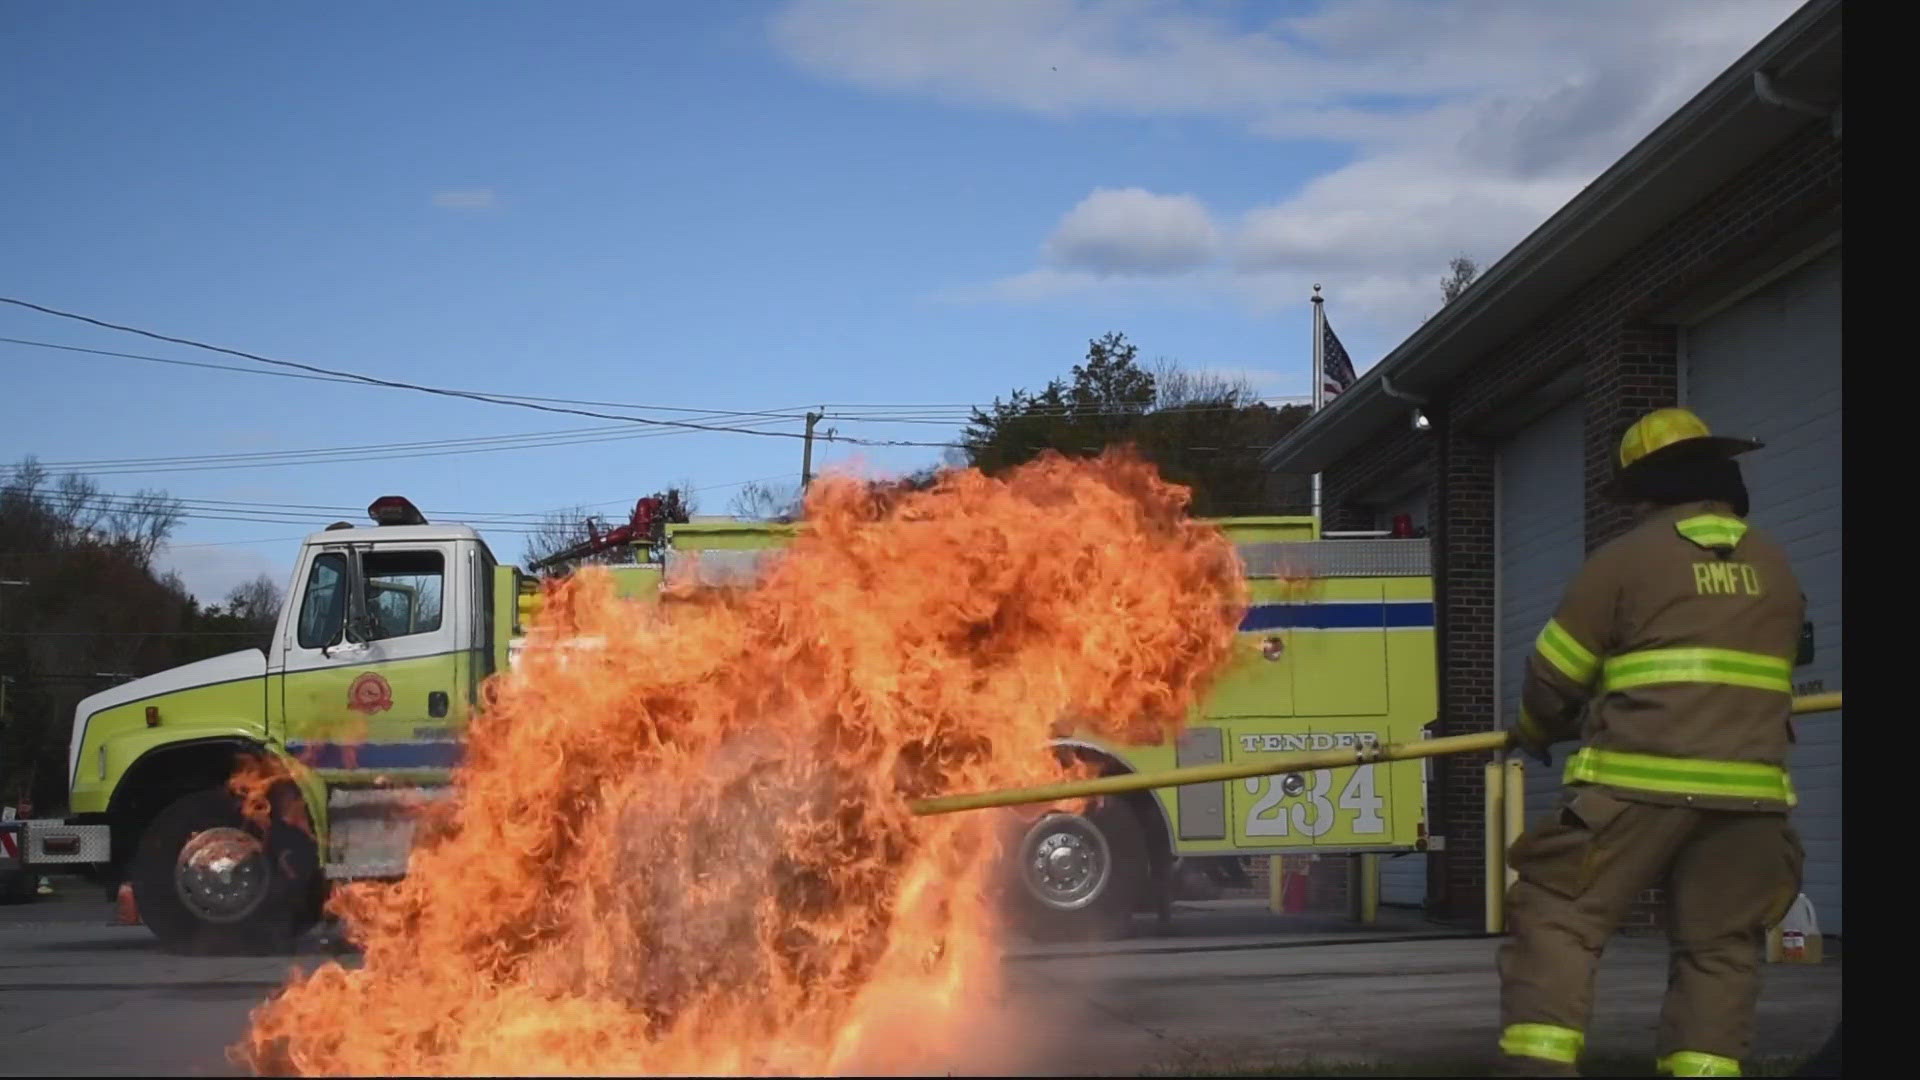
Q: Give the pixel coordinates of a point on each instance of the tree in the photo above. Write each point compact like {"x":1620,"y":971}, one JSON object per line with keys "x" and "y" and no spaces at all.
{"x":758,"y":501}
{"x":256,"y":601}
{"x":1202,"y":431}
{"x":92,"y":612}
{"x":1460,"y":273}
{"x":252,"y":607}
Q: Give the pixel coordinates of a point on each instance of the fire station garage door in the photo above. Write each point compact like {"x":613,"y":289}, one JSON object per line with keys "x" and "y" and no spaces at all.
{"x":1769,"y":367}
{"x":1542,"y":522}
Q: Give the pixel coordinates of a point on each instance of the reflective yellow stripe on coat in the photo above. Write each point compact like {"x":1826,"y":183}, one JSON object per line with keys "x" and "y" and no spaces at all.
{"x":1566,"y":654}
{"x":1728,"y":667}
{"x":1681,"y":776}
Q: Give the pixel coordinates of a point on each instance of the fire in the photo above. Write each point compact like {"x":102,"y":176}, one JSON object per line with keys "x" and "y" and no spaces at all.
{"x":262,"y":785}
{"x":687,"y":849}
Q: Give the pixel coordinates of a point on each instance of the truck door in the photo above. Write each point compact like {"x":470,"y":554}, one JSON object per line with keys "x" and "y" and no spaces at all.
{"x":376,"y":665}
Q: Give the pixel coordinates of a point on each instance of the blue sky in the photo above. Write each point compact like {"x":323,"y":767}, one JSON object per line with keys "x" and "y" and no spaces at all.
{"x":743,"y":206}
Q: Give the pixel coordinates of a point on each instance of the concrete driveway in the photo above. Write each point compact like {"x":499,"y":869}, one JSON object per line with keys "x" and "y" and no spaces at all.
{"x":1232,"y":988}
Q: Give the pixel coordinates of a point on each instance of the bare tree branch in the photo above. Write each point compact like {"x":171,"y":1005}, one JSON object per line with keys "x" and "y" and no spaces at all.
{"x":765,"y":502}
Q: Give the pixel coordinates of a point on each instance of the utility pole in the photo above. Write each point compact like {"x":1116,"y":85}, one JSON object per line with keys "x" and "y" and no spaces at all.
{"x":806,"y":455}
{"x":7,"y":680}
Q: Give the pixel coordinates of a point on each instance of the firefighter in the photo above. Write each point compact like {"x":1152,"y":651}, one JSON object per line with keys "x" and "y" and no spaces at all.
{"x":1672,"y":654}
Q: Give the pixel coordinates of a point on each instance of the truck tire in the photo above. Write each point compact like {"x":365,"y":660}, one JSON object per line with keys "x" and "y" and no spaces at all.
{"x":1080,"y":877}
{"x":208,"y":882}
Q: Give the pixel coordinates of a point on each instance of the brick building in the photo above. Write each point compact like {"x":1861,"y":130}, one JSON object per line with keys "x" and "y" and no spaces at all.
{"x":1702,"y":269}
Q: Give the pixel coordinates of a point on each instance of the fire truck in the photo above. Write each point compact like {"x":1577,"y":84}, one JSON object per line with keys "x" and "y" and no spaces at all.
{"x":395,"y":626}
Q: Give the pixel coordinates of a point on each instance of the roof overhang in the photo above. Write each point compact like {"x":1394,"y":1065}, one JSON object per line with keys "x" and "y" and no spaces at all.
{"x":1754,"y":106}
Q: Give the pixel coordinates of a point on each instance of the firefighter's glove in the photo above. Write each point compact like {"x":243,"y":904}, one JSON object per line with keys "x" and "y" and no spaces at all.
{"x":1529,"y":739}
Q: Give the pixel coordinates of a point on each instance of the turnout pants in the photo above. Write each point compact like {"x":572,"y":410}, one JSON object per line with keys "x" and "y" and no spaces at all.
{"x":1728,"y":876}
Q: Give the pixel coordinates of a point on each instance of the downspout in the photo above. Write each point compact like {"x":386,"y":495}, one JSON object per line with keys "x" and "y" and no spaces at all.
{"x":1439,"y":820}
{"x":1420,"y":422}
{"x":1765,"y":90}
{"x":1386,"y":384}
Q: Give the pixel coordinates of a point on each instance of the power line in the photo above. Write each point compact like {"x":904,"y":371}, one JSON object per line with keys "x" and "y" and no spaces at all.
{"x":130,"y":633}
{"x":235,"y":511}
{"x":234,"y":543}
{"x":959,"y":411}
{"x":790,"y":414}
{"x":533,"y":402}
{"x":492,"y":399}
{"x":346,"y":455}
{"x":186,"y":459}
{"x":114,"y":501}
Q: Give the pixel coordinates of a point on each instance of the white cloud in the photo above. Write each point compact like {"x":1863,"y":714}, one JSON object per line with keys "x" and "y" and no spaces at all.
{"x":1130,"y":230}
{"x":466,"y":199}
{"x":1470,"y":122}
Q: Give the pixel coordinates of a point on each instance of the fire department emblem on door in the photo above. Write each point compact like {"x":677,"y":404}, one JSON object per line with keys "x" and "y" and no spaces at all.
{"x":370,"y":694}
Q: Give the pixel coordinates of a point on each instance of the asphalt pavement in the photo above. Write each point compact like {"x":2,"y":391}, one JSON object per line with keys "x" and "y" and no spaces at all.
{"x":1231,"y":987}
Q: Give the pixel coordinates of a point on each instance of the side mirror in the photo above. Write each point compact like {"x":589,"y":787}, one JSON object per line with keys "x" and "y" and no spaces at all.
{"x":1805,"y":655}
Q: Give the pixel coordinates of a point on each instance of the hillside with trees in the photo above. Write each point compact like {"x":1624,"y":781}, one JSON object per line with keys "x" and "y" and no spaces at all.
{"x":83,"y":608}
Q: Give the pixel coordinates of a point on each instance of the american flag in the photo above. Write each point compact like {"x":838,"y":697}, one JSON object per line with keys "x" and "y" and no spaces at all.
{"x":1338,"y":373}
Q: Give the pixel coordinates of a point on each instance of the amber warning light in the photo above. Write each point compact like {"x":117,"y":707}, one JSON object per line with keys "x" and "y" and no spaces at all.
{"x":394,"y":510}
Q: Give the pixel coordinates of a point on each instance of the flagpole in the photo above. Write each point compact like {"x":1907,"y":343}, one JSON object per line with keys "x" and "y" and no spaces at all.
{"x":1319,"y":384}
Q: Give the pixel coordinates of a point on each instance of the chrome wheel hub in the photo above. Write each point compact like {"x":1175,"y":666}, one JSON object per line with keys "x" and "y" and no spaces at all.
{"x":1067,"y":862}
{"x":221,"y":875}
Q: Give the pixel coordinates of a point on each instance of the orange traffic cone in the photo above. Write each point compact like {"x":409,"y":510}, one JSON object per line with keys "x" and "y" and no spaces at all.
{"x":125,"y":913}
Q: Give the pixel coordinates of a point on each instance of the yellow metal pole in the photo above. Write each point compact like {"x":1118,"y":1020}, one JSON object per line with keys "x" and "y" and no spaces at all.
{"x":1515,"y":796}
{"x":1496,"y":852}
{"x":1203,"y":774}
{"x":1276,"y":884}
{"x":1279,"y":763}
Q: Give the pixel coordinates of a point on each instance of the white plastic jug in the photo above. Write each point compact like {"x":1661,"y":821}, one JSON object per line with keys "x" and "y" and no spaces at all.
{"x":1797,"y":939}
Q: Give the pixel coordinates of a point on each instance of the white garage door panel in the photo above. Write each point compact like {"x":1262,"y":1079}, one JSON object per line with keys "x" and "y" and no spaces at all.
{"x":1403,"y":879}
{"x":1542,"y":542}
{"x":1815,"y":761}
{"x":1770,"y":368}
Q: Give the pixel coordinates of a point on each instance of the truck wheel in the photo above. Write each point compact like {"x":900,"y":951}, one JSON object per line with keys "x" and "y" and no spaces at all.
{"x":208,"y":882}
{"x":1080,"y":877}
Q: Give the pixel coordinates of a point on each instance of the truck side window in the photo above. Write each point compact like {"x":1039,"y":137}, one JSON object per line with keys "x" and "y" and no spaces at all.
{"x":324,"y":604}
{"x":404,"y":591}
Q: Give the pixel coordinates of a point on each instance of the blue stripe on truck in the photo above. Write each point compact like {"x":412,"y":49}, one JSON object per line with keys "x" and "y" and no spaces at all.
{"x":1358,"y":615}
{"x":402,"y":755}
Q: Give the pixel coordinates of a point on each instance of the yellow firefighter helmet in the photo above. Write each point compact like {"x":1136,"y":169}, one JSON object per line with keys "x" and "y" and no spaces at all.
{"x":1666,"y":434}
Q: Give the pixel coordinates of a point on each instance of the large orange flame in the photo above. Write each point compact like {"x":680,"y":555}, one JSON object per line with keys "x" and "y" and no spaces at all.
{"x":686,"y":848}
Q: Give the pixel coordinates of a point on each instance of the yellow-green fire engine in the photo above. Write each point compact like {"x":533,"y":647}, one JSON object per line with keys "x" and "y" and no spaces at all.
{"x":389,"y":631}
